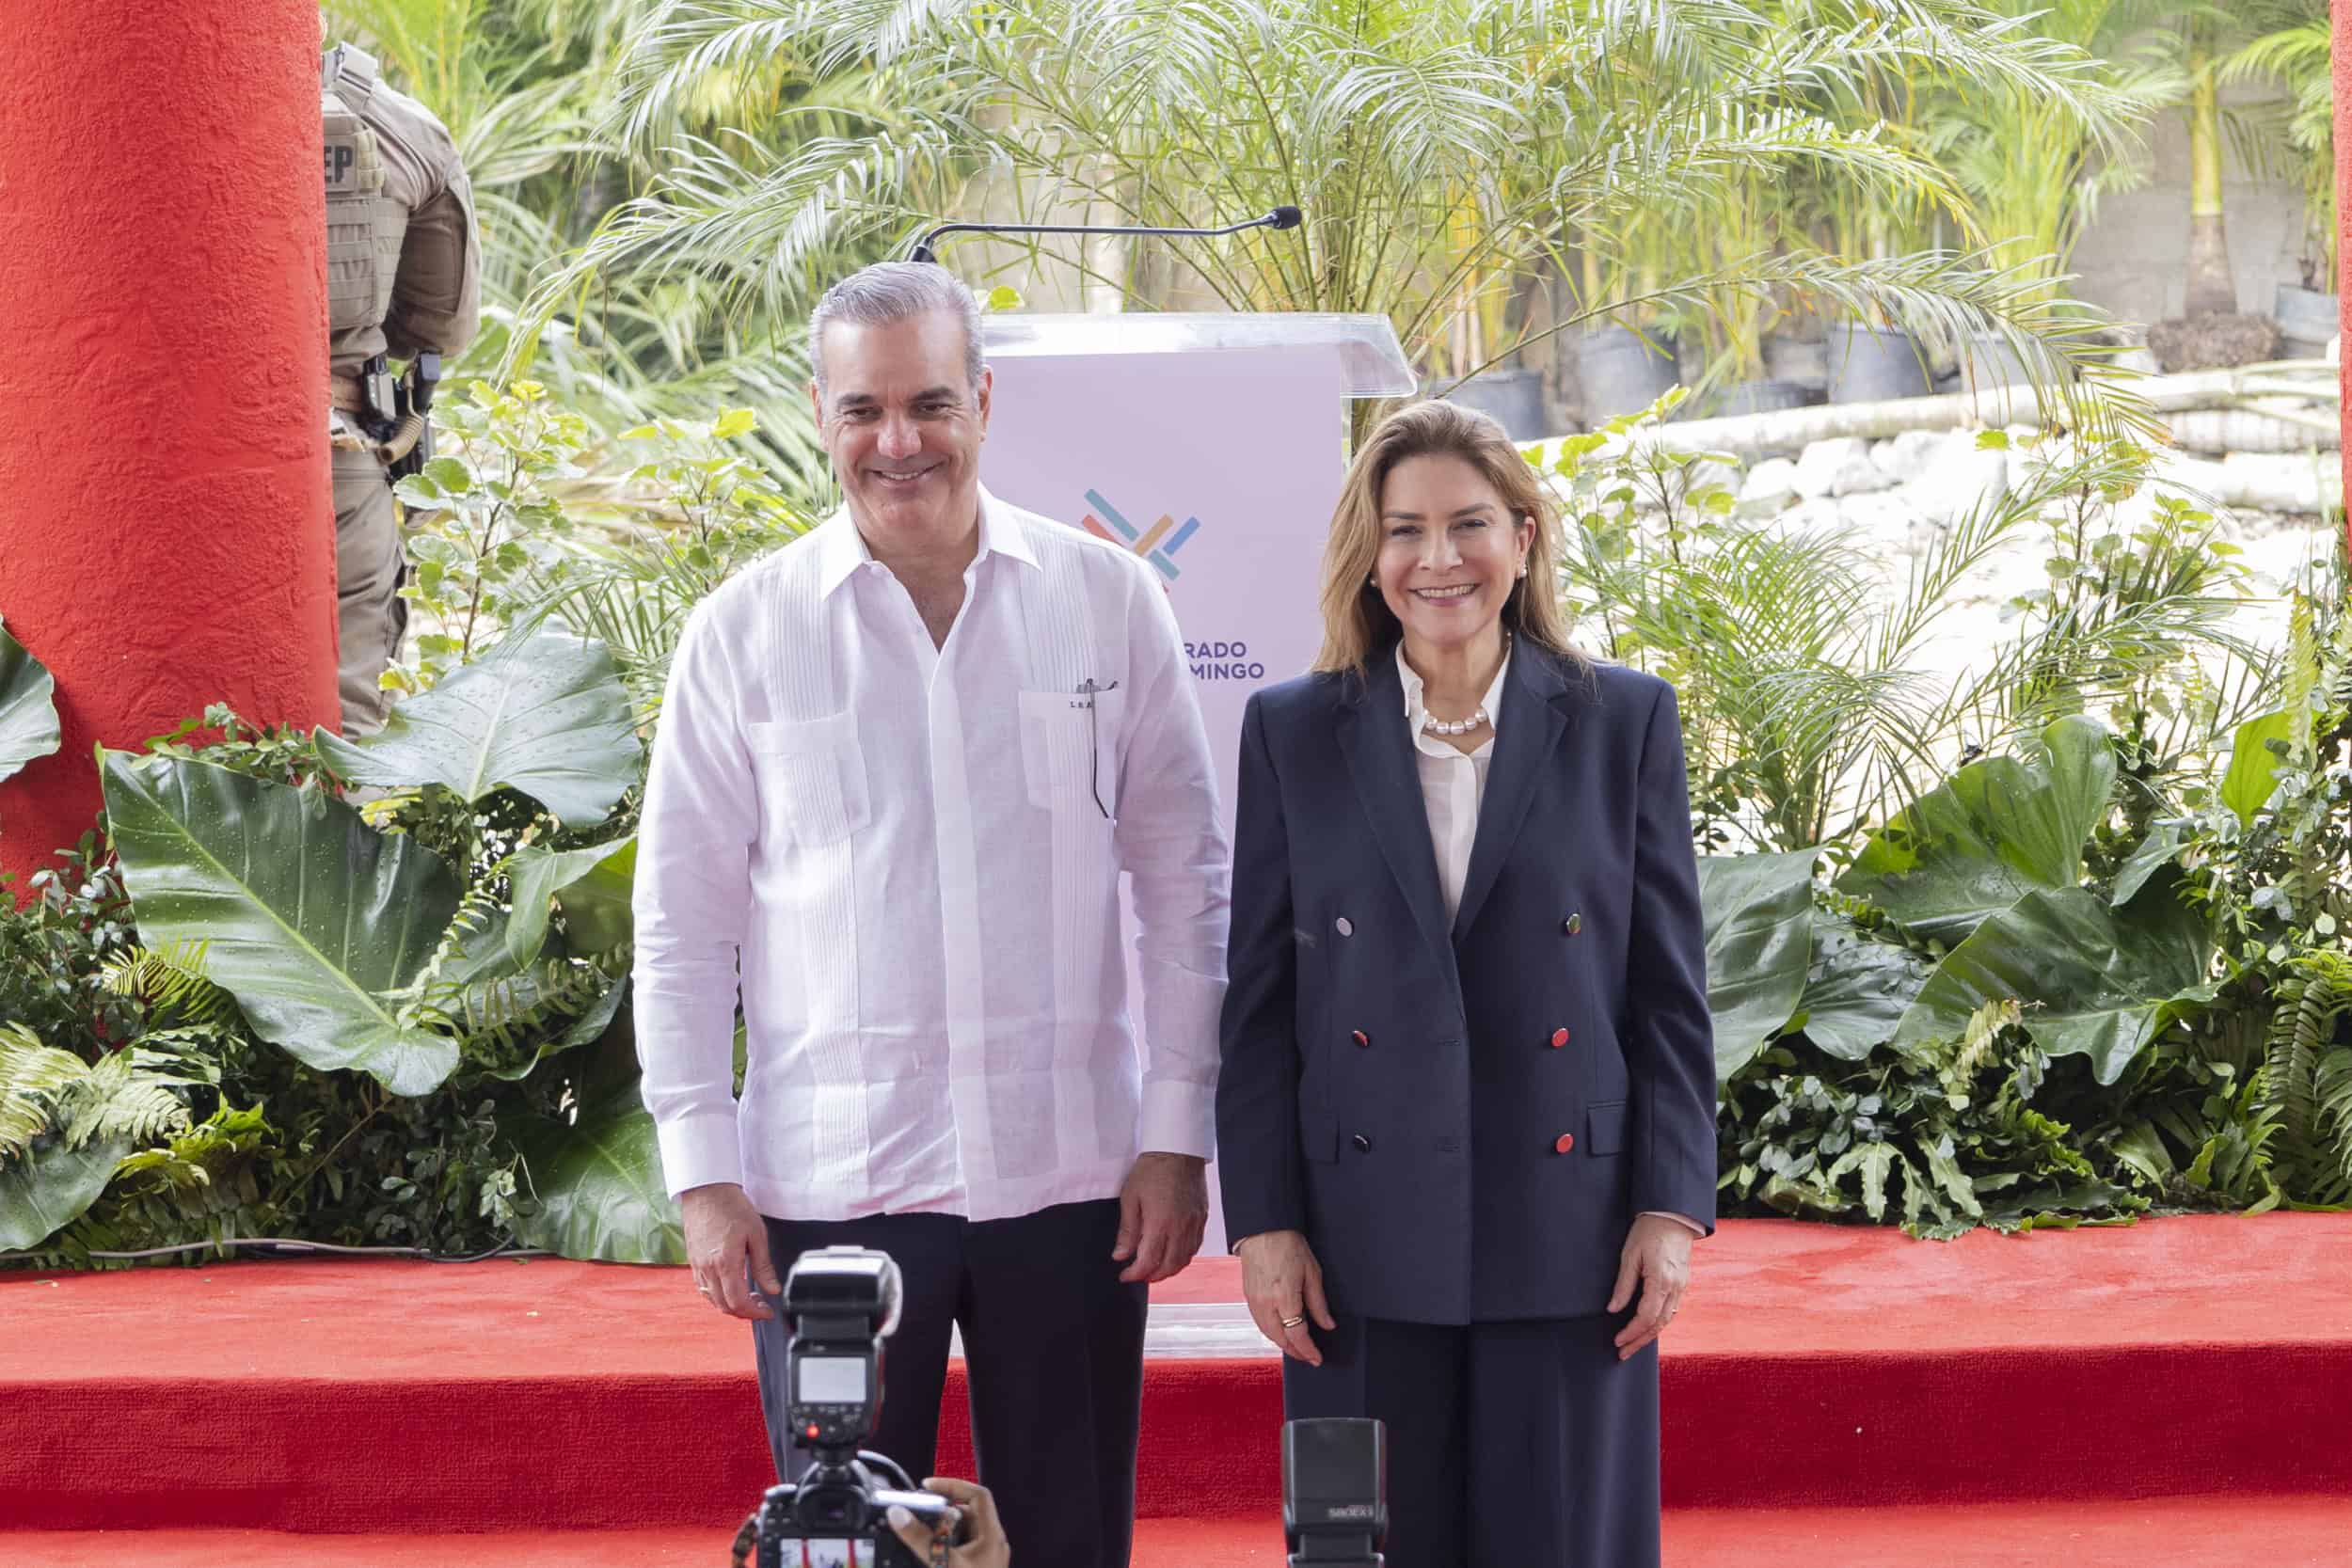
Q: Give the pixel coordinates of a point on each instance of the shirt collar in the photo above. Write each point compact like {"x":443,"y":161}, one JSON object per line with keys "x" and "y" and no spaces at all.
{"x":1415,"y":712}
{"x":841,"y":550}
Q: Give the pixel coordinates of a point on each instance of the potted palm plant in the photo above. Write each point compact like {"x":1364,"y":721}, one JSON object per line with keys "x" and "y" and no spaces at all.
{"x":1372,"y":117}
{"x":1872,"y":357}
{"x":2292,"y":49}
{"x":2034,"y":171}
{"x":1472,"y":361}
{"x":1751,"y":219}
{"x":1624,"y":362}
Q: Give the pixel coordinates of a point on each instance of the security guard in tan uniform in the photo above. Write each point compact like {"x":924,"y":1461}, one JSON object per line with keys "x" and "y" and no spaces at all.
{"x":403,"y":269}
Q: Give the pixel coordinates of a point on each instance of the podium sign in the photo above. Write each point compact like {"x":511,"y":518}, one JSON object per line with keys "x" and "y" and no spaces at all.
{"x":1213,"y":446}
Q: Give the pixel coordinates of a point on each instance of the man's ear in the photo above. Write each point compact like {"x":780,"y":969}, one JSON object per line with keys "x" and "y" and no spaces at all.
{"x":816,"y":403}
{"x":987,"y":393}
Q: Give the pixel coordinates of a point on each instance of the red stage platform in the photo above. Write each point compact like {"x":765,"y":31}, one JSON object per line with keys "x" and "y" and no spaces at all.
{"x":2131,"y":1390}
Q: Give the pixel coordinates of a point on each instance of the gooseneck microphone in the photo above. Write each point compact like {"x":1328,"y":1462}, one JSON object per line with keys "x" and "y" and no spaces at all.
{"x":1281,"y":217}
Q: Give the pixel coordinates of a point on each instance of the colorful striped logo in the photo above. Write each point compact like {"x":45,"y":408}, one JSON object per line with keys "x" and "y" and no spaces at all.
{"x":1157,"y":543}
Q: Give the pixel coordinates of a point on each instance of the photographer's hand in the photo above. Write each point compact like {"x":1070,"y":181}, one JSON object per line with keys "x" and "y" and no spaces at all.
{"x":726,"y":1242}
{"x":987,"y":1548}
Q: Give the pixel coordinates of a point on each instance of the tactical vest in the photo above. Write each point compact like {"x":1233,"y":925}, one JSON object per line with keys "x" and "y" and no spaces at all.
{"x":364,"y":227}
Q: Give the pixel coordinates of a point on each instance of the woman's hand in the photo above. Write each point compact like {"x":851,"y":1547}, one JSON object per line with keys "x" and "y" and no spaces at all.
{"x":1283,"y":1285}
{"x":1657,"y":1258}
{"x":988,"y":1547}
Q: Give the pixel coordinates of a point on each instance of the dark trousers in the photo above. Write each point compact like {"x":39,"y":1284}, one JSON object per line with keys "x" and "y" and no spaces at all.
{"x":1527,"y":1443}
{"x":1053,"y":1347}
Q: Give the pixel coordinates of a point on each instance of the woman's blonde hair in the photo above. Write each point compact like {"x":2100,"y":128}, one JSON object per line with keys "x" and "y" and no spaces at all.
{"x":1357,"y":621}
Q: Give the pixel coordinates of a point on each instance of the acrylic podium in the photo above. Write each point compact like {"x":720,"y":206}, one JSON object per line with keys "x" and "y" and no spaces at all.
{"x":1212,"y":446}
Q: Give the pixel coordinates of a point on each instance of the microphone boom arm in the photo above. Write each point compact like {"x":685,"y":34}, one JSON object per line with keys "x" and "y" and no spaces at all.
{"x":1281,"y":217}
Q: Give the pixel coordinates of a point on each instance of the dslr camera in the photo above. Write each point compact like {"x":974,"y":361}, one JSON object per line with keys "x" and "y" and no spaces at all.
{"x":841,"y":1302}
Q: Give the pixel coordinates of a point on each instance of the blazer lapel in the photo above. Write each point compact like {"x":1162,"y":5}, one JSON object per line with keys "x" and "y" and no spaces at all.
{"x":1379,"y":752}
{"x":1535,"y":699}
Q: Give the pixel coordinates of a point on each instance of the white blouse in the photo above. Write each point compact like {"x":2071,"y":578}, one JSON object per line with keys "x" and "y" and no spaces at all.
{"x":1453,"y":783}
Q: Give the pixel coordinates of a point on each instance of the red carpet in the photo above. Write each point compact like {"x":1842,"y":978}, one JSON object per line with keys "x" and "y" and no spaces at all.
{"x":2171,"y":1532}
{"x":1811,"y":1365}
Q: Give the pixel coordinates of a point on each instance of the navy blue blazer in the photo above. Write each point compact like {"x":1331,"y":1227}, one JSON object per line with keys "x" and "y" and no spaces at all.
{"x":1464,"y":1120}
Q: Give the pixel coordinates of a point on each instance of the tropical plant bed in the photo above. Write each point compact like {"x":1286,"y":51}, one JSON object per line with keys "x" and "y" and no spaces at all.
{"x":371,"y":993}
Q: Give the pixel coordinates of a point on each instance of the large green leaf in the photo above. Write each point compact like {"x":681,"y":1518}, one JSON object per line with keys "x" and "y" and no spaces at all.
{"x":593,"y":886}
{"x":1999,"y":828}
{"x":597,"y":914}
{"x":2096,"y":981}
{"x":28,"y":714}
{"x":41,"y":1196}
{"x":1858,"y":989}
{"x":315,"y":922}
{"x":2159,"y":850}
{"x":1758,"y":913}
{"x":2254,"y":766}
{"x":546,"y":715}
{"x":598,"y":1188}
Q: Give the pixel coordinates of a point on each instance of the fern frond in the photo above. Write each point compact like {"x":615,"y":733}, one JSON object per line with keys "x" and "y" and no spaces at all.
{"x":475,"y":914}
{"x":2331,"y":1092}
{"x":43,"y":1088}
{"x":171,"y":981}
{"x":137,"y":1108}
{"x":2314,"y":997}
{"x":499,"y":1016}
{"x":34,"y":1078}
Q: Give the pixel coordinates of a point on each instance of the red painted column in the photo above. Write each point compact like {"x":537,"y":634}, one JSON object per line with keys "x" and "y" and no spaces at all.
{"x":2340,"y":12}
{"x":166,"y":532}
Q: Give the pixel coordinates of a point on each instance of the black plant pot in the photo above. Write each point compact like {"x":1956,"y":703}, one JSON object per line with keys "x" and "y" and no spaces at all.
{"x":1799,"y":361}
{"x":1620,"y":371}
{"x":1874,"y":364}
{"x":1515,"y":398}
{"x":1752,"y":397}
{"x":2307,"y":319}
{"x":1986,"y":359}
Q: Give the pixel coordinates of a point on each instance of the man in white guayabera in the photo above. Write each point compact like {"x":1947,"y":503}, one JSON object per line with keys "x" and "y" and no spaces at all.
{"x":900,"y":767}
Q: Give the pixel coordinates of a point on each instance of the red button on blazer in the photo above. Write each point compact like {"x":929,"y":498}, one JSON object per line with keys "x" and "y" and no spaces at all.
{"x":1566,"y":1142}
{"x":1360,"y":1037}
{"x":1559,"y":1039}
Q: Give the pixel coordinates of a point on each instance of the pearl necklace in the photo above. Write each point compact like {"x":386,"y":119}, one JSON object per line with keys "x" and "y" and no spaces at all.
{"x":1454,"y":726}
{"x":1477,"y":721}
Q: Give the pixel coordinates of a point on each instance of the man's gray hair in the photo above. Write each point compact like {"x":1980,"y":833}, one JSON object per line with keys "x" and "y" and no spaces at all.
{"x":893,"y":292}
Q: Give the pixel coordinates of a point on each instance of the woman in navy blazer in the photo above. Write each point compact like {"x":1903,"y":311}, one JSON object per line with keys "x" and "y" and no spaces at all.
{"x":1465,"y":1121}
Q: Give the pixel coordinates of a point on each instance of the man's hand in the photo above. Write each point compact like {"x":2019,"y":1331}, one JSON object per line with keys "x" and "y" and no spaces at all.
{"x":987,"y":1548}
{"x":1657,"y":1257}
{"x":1283,"y":1285}
{"x":1163,"y":1211}
{"x":726,"y":1242}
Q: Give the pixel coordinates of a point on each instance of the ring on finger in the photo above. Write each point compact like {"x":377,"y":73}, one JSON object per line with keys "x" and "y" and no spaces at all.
{"x":1293,"y":1322}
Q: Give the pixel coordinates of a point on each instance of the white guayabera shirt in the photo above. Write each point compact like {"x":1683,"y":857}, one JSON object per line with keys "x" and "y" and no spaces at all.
{"x":916,"y":851}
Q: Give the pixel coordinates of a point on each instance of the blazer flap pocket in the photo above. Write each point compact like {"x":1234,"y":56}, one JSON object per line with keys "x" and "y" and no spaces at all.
{"x":1604,"y":1127}
{"x":1319,"y":1135}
